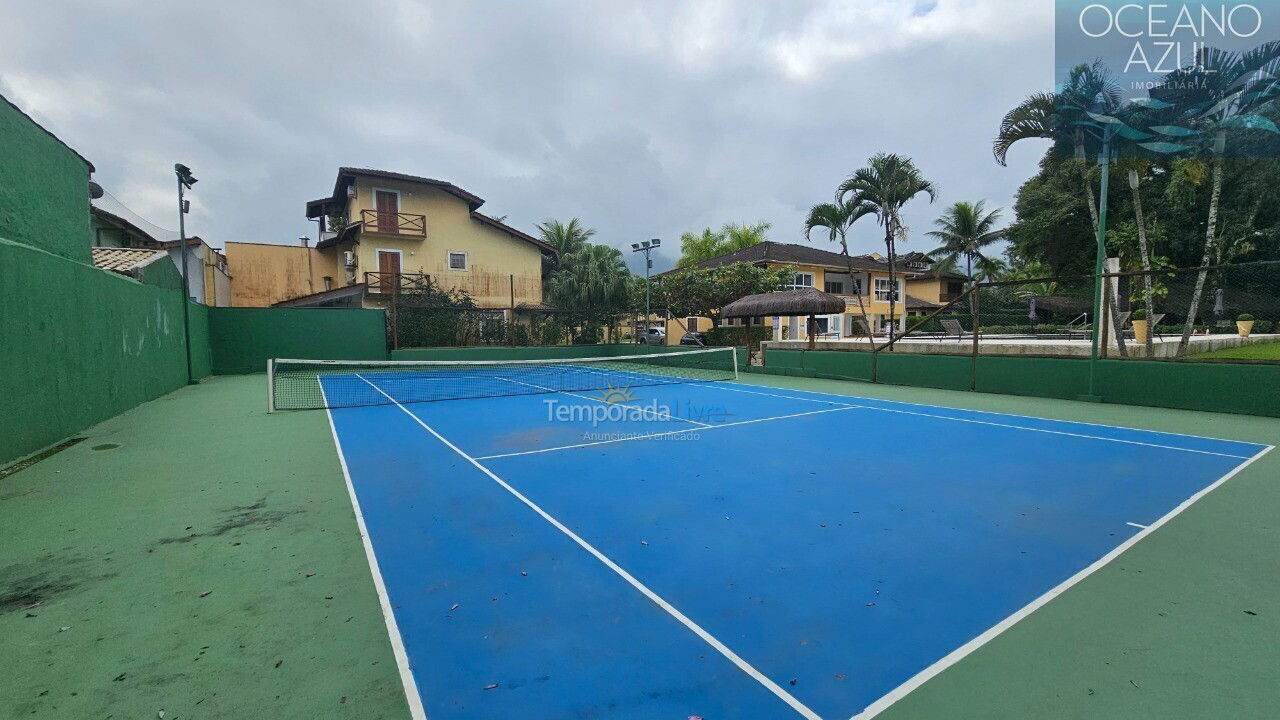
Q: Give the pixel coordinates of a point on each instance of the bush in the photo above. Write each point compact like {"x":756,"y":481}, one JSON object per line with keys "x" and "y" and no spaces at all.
{"x":1245,"y":317}
{"x":1262,"y":327}
{"x":1139,"y":315}
{"x":731,"y":336}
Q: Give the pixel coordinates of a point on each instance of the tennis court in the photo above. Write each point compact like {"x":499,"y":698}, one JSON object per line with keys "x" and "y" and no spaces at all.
{"x":646,"y":537}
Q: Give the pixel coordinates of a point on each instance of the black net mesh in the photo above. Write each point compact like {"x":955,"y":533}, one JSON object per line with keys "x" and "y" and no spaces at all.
{"x":314,"y":384}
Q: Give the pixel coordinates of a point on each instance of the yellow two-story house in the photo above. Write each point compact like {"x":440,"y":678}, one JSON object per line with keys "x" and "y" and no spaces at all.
{"x":865,"y":290}
{"x":385,"y":232}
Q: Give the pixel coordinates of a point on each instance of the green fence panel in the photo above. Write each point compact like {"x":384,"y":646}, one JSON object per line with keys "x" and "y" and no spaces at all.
{"x":1249,"y":389}
{"x":241,"y":340}
{"x":946,"y":372}
{"x":1035,"y":377}
{"x":82,"y":345}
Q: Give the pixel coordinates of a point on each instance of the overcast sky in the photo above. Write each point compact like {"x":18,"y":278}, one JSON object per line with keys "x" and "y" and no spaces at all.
{"x":645,"y":119}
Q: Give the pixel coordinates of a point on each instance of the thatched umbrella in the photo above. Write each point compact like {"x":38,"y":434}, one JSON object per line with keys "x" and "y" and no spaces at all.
{"x":804,"y":302}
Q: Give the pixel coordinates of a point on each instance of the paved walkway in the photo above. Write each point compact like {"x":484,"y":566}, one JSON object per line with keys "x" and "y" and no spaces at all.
{"x":107,"y":548}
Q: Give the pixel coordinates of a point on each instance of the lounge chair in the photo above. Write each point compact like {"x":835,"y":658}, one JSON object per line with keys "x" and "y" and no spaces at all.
{"x":952,"y":327}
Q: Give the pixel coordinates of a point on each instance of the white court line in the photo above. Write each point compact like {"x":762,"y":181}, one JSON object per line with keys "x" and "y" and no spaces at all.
{"x":996,"y":424}
{"x":1134,"y":524}
{"x":647,"y":436}
{"x":584,"y":397}
{"x":644,"y":590}
{"x":999,"y":414}
{"x":959,"y":653}
{"x":411,"y":696}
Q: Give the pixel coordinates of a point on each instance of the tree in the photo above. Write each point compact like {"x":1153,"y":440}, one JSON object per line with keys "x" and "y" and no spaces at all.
{"x":566,"y":238}
{"x":1222,"y":93}
{"x":697,"y":247}
{"x":838,"y":218}
{"x":966,"y":230}
{"x":882,"y":188}
{"x":594,"y":282}
{"x":702,"y":292}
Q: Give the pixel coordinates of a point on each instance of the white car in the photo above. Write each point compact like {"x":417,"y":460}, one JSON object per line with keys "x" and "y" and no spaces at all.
{"x":654,"y":336}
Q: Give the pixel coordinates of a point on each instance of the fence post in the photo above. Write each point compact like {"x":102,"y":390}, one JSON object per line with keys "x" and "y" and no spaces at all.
{"x":977,"y":328}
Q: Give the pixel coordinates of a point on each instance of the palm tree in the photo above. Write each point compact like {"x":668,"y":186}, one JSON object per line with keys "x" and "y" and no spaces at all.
{"x":837,"y":218}
{"x":593,"y":280}
{"x":1222,"y":92}
{"x":966,"y":230}
{"x":882,"y":188}
{"x":566,"y":238}
{"x":1052,"y":116}
{"x":696,"y":247}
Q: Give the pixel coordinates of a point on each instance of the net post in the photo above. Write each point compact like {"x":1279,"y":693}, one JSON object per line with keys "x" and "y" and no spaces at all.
{"x":271,"y":385}
{"x":734,"y":352}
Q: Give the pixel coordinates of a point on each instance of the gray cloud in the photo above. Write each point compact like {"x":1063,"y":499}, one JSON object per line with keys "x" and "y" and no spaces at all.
{"x":646,"y":119}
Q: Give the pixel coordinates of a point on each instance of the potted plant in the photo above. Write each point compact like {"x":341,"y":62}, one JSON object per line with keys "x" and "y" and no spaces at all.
{"x":1141,"y":326}
{"x":1244,"y":324}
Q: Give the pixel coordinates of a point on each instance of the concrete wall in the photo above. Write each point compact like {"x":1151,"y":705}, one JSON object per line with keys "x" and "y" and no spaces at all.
{"x":266,"y":274}
{"x":44,"y":188}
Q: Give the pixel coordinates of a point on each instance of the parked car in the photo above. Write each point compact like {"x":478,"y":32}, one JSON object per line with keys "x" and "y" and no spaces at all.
{"x":694,"y":338}
{"x":654,"y":336}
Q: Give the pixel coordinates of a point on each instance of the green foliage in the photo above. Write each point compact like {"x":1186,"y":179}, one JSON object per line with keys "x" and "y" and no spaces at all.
{"x":696,"y":247}
{"x":566,"y":238}
{"x":966,"y":230}
{"x":1139,"y":314}
{"x":732,"y":335}
{"x":702,"y":292}
{"x":434,"y":317}
{"x":1245,"y":317}
{"x":592,"y":281}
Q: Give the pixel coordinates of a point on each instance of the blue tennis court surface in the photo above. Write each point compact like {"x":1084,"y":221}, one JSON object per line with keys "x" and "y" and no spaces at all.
{"x":742,"y":552}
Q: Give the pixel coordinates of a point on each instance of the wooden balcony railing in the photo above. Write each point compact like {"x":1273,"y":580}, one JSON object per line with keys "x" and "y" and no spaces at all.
{"x":389,"y":283}
{"x":397,"y":223}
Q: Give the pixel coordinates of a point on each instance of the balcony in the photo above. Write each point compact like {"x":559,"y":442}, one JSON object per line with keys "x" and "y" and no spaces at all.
{"x":398,"y":223}
{"x":391,"y":283}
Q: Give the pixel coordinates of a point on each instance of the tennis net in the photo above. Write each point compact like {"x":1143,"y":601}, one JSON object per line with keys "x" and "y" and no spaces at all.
{"x":316,"y":384}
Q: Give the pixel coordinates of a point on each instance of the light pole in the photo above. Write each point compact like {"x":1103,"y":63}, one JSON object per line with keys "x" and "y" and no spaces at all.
{"x":645,"y":246}
{"x":185,"y":181}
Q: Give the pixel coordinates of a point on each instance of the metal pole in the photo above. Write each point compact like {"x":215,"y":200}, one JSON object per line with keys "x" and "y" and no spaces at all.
{"x":1104,"y":162}
{"x":648,"y":265}
{"x":977,"y":329}
{"x":186,"y":291}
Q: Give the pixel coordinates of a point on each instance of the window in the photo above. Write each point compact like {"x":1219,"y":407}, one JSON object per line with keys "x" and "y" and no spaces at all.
{"x":457,"y":260}
{"x":843,"y":284}
{"x":328,"y":283}
{"x":802,"y":280}
{"x":955,"y":288}
{"x":882,"y":290}
{"x":692,"y":323}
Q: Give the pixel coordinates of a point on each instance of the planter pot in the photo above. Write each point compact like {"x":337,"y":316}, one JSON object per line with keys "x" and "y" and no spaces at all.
{"x":1245,"y":327}
{"x":1140,"y":329}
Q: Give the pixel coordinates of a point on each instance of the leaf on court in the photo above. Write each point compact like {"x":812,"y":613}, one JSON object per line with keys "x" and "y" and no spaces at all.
{"x":205,"y":593}
{"x":454,"y":607}
{"x":695,"y":717}
{"x":794,"y":681}
{"x":839,"y":676}
{"x":491,"y":686}
{"x":311,"y":574}
{"x":644,"y":542}
{"x":871,"y":604}
{"x":524,"y":574}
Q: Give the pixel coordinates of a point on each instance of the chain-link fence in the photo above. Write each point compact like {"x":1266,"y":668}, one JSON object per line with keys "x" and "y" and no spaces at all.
{"x":414,"y":321}
{"x":1222,"y":313}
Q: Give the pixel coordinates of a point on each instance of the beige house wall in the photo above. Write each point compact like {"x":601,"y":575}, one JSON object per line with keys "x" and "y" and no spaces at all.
{"x":267,"y":274}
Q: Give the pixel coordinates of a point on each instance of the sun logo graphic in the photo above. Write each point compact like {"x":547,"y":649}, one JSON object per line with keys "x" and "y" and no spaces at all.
{"x":617,"y":395}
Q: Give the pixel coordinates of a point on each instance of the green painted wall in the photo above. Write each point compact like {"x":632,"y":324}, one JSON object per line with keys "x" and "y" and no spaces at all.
{"x":1250,"y":389}
{"x":243,"y":339}
{"x":44,"y":188}
{"x":82,"y":345}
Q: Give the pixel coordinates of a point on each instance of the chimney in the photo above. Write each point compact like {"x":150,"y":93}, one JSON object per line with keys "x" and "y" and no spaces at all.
{"x":306,"y":241}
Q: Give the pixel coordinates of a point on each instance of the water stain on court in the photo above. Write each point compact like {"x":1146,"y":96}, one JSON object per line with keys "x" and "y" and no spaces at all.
{"x":236,"y":517}
{"x":27,"y":586}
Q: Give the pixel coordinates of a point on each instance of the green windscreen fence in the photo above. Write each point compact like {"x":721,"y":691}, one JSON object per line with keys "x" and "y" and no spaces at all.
{"x":243,"y":339}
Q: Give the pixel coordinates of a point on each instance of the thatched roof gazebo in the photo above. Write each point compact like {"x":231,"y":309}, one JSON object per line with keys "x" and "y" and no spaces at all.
{"x":808,"y":302}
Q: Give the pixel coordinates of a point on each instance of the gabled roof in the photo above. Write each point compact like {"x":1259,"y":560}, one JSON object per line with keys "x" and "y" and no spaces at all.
{"x":347,"y":175}
{"x":125,"y":261}
{"x":789,"y":254}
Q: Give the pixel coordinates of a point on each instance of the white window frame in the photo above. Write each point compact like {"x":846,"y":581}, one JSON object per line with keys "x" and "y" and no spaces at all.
{"x":799,"y":274}
{"x":882,"y":292}
{"x":466,"y":260}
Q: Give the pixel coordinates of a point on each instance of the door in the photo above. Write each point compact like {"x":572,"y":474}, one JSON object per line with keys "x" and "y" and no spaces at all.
{"x":388,"y":270}
{"x":388,"y":206}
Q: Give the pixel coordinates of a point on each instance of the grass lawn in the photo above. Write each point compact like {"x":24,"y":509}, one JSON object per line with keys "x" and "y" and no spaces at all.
{"x":1262,"y":351}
